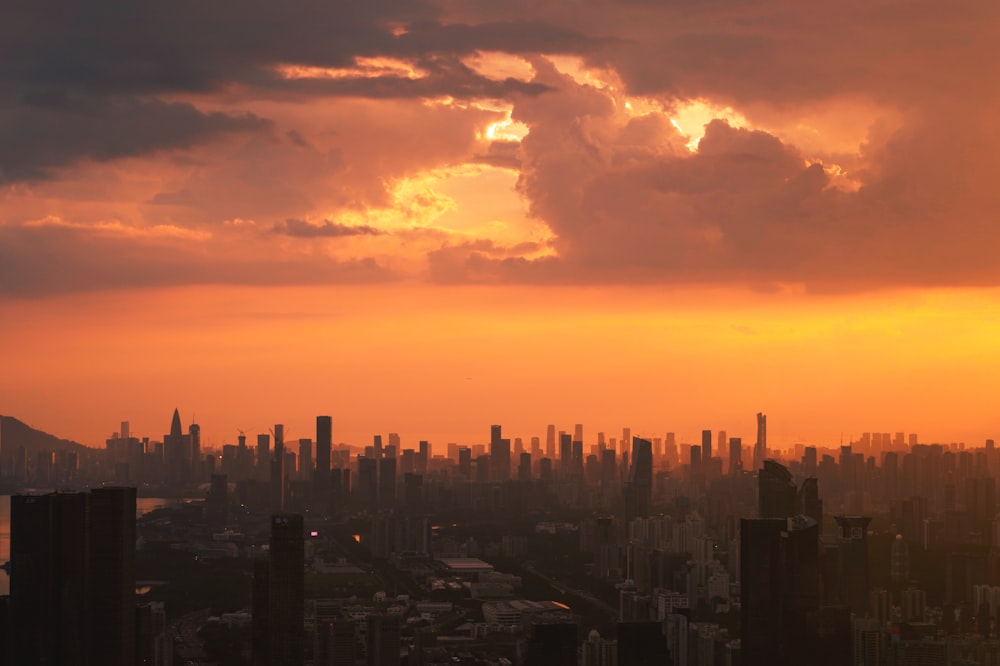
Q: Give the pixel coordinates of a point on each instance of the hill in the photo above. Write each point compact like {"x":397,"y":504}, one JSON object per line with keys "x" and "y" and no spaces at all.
{"x":15,"y":434}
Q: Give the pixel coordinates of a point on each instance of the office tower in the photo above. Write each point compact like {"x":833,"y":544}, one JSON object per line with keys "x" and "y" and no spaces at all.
{"x":73,"y":577}
{"x":499,"y":455}
{"x":578,"y":432}
{"x":808,"y":501}
{"x":378,"y":446}
{"x":286,"y":591}
{"x":694,"y":461}
{"x":779,"y":569}
{"x":626,"y":440}
{"x":387,"y":481}
{"x":609,"y":472}
{"x":524,"y":467}
{"x":565,"y":453}
{"x":263,"y":457}
{"x":383,"y":641}
{"x":721,"y":442}
{"x":706,"y":445}
{"x":217,"y":503}
{"x":735,"y":456}
{"x":550,"y":442}
{"x":545,"y":469}
{"x":778,"y":496}
{"x":536,"y":447}
{"x":177,"y":450}
{"x":367,"y":485}
{"x":760,"y":447}
{"x":423,"y":456}
{"x":278,"y":470}
{"x":49,"y":600}
{"x":642,"y":644}
{"x":465,"y":462}
{"x":638,"y":493}
{"x":112,"y":576}
{"x":194,"y":434}
{"x":483,"y":469}
{"x":854,"y":560}
{"x":305,"y":459}
{"x":324,"y":442}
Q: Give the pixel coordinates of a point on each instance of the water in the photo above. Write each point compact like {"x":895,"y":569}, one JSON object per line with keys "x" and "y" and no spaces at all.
{"x":143,"y":505}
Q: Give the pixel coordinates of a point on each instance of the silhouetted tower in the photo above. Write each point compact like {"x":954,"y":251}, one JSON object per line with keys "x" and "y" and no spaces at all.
{"x":735,"y":456}
{"x":706,"y":445}
{"x":760,"y":447}
{"x":112,"y":576}
{"x":286,"y":591}
{"x":383,"y":641}
{"x":324,"y":442}
{"x":779,"y":565}
{"x":854,"y":558}
{"x":278,"y":470}
{"x":499,"y":455}
{"x":638,"y":495}
{"x":778,"y":497}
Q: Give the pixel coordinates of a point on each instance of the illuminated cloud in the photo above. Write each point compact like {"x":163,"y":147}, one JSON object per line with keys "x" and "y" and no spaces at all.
{"x":846,"y":147}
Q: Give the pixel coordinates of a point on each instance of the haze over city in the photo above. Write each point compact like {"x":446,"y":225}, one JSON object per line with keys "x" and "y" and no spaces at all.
{"x":680,"y":322}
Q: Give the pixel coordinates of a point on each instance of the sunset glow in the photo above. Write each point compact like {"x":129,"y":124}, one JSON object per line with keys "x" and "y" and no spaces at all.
{"x":431,"y":217}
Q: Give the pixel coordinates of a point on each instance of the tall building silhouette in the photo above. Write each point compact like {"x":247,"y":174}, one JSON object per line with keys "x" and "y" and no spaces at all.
{"x":112,"y":576}
{"x":779,"y":565}
{"x":706,"y":445}
{"x":72,"y":588}
{"x":324,"y":443}
{"x":760,"y":446}
{"x":735,"y":456}
{"x":499,"y":455}
{"x":778,"y":496}
{"x":639,"y":490}
{"x":281,"y":632}
{"x":278,"y":470}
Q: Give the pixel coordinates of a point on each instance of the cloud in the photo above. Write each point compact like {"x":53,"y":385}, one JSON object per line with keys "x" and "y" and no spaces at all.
{"x":326,"y":229}
{"x":37,"y":140}
{"x":54,"y":257}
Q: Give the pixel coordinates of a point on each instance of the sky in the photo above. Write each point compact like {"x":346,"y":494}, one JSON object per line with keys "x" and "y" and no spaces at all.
{"x":429,"y":216}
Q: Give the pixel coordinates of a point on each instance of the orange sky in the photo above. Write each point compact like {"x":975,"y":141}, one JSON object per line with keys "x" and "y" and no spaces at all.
{"x":430,"y":216}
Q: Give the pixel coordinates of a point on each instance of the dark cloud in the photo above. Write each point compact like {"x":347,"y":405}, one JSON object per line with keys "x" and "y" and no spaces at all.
{"x":327,"y":229}
{"x":36,"y":140}
{"x":38,"y":261}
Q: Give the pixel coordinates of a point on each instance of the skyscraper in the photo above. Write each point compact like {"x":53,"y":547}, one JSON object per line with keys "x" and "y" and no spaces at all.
{"x":778,"y":496}
{"x":499,"y":455}
{"x":760,"y":446}
{"x":73,"y":577}
{"x":638,"y":495}
{"x":735,"y":456}
{"x":278,"y":470}
{"x":706,"y":445}
{"x":112,"y":576}
{"x":324,"y":442}
{"x":286,"y":591}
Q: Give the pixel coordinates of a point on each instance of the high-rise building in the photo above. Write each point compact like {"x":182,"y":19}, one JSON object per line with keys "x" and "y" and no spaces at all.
{"x":638,"y":492}
{"x":778,"y":496}
{"x":387,"y":481}
{"x":286,"y":591}
{"x":366,"y":488}
{"x":72,"y":584}
{"x":111,"y":577}
{"x":305,"y":459}
{"x":706,"y":445}
{"x":735,"y":456}
{"x":550,"y":442}
{"x":760,"y":446}
{"x":499,"y":454}
{"x":153,"y":645}
{"x":278,"y":470}
{"x":263,"y":457}
{"x":779,"y":568}
{"x":324,"y":442}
